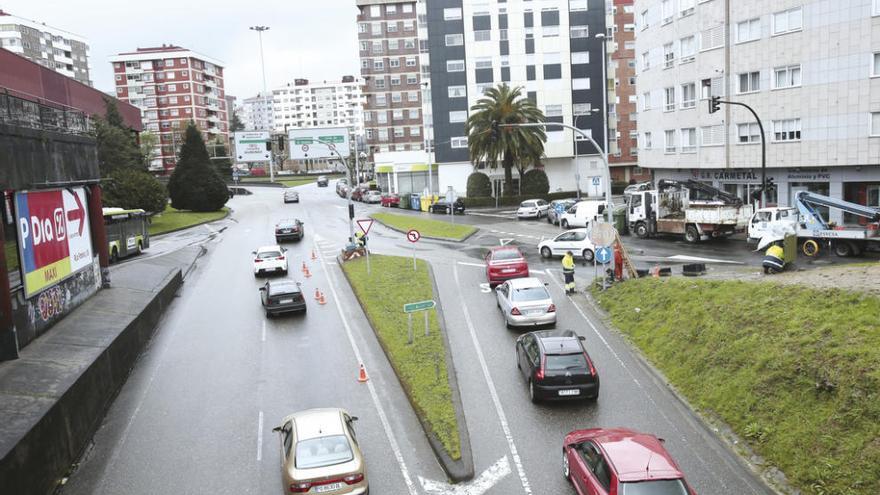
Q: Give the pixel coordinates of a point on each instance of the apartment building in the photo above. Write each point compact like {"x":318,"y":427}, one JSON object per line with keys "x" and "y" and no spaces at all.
{"x":173,"y":86}
{"x":811,"y":71}
{"x":256,"y":113}
{"x":305,"y":103}
{"x":62,"y":51}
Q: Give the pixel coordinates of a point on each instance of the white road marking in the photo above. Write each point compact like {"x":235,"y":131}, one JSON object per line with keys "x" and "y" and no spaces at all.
{"x":263,"y":339}
{"x":487,"y":479}
{"x":542,"y":272}
{"x":505,"y":242}
{"x":502,"y":418}
{"x":383,"y":418}
{"x":478,"y":265}
{"x":210,"y":229}
{"x":260,"y":438}
{"x":681,"y":257}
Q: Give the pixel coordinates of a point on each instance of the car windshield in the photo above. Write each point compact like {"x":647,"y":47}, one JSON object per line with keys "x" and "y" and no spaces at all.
{"x":323,"y":451}
{"x":506,"y":254}
{"x":654,"y":487}
{"x":558,"y":362}
{"x":526,"y":294}
{"x":265,"y":255}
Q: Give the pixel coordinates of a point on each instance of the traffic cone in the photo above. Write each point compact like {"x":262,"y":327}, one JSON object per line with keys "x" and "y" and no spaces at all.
{"x":307,"y":273}
{"x":318,"y":295}
{"x":362,"y":374}
{"x":314,"y":256}
{"x":305,"y":268}
{"x":321,"y":299}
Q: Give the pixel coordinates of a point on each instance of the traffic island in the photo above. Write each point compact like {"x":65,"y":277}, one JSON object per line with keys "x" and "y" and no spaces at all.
{"x":431,"y":229}
{"x":793,"y":370}
{"x":425,"y":367}
{"x":173,"y":220}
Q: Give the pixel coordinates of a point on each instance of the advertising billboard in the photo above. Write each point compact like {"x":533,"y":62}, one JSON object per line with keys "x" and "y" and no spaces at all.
{"x":54,"y":237}
{"x":318,"y":142}
{"x":251,"y":147}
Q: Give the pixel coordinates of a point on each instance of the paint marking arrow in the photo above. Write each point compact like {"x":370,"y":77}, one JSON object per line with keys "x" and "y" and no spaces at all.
{"x":505,"y":242}
{"x":478,"y":486}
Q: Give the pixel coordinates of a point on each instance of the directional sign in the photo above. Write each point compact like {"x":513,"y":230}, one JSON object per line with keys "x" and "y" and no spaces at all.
{"x":418,"y":306}
{"x":413,"y":236}
{"x":560,"y":208}
{"x":251,"y":147}
{"x":602,"y":234}
{"x":603,"y":254}
{"x":365,"y":225}
{"x":318,"y":142}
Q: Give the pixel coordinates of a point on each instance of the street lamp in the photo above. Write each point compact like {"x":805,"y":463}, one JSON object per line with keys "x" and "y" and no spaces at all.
{"x":577,"y":168}
{"x":259,"y":30}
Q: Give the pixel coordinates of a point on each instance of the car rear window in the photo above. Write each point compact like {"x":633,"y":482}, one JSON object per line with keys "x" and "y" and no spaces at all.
{"x":265,"y":255}
{"x":654,"y":487}
{"x":275,"y":289}
{"x":527,"y":204}
{"x":529,"y":294}
{"x":506,"y":254}
{"x":323,"y":451}
{"x":558,"y":362}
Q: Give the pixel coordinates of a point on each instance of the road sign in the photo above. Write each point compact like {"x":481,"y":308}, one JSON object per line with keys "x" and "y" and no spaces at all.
{"x":560,"y":208}
{"x":365,"y":225}
{"x":413,"y":236}
{"x":251,"y":147}
{"x":318,"y":142}
{"x":602,"y":234}
{"x":418,"y":306}
{"x":597,"y":181}
{"x":603,"y":254}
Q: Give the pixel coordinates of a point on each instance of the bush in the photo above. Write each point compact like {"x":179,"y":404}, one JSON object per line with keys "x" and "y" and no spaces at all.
{"x":195,"y":185}
{"x":479,"y":185}
{"x":535,"y":183}
{"x":516,"y":200}
{"x":134,"y":189}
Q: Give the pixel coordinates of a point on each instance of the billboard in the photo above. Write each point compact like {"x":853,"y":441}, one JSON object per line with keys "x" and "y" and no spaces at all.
{"x":318,"y":142}
{"x":251,"y":147}
{"x":54,"y":237}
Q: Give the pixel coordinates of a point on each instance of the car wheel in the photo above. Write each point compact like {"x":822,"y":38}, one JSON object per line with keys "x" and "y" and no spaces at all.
{"x":691,"y":235}
{"x":546,"y":253}
{"x":549,"y":221}
{"x":566,"y":470}
{"x":284,"y":272}
{"x":140,"y":248}
{"x":843,"y":249}
{"x":564,"y":223}
{"x":641,"y":230}
{"x":268,"y":314}
{"x":532,"y":395}
{"x":588,"y":254}
{"x":114,"y":255}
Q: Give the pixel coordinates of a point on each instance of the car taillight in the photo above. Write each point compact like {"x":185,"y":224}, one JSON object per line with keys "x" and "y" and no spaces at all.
{"x":515,"y":312}
{"x":353,"y":479}
{"x":539,"y":375}
{"x":590,"y":362}
{"x":300,"y":487}
{"x":258,"y":260}
{"x":280,"y":258}
{"x":552,"y":308}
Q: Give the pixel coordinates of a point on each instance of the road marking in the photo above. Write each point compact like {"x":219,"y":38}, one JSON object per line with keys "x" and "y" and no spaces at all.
{"x":482,"y":484}
{"x":542,"y":272}
{"x":383,"y":418}
{"x":478,"y":265}
{"x":505,"y":242}
{"x":681,"y":257}
{"x":263,"y":339}
{"x":210,"y":229}
{"x":502,"y":418}
{"x":260,"y":438}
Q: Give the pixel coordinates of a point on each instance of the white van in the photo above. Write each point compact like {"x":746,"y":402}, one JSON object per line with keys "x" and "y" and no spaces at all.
{"x":582,"y":213}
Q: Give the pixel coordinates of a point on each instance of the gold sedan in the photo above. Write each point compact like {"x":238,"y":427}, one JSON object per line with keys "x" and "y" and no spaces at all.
{"x":320,"y":453}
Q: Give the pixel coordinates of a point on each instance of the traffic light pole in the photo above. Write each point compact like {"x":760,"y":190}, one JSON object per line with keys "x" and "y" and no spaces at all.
{"x":714,"y":103}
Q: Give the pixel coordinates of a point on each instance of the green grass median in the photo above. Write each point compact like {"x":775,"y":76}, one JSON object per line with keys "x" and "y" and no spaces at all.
{"x":421,"y":367}
{"x":425,"y":226}
{"x":172,"y":219}
{"x":793,"y":370}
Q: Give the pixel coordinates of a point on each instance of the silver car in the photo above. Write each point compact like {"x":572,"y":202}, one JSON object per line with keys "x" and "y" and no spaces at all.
{"x":525,"y":302}
{"x":291,"y":196}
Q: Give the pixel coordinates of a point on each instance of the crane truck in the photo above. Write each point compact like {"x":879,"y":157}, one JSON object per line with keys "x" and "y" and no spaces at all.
{"x":813,"y":231}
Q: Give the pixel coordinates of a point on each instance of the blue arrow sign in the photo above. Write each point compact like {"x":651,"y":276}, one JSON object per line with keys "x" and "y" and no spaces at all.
{"x":560,"y":208}
{"x":603,"y":254}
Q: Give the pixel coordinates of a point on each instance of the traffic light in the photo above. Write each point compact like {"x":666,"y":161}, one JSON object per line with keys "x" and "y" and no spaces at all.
{"x":495,"y":132}
{"x":770,"y":185}
{"x":714,"y":104}
{"x":280,"y":143}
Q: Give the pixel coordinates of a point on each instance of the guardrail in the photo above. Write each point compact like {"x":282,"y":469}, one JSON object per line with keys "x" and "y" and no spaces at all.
{"x":40,"y":114}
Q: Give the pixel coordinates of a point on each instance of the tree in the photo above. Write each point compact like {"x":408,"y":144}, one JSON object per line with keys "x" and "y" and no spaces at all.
{"x":134,"y":189}
{"x":117,"y":147}
{"x":512,"y":146}
{"x":236,"y":124}
{"x":479,"y":185}
{"x":149,"y":141}
{"x":535,"y":183}
{"x":194,"y":184}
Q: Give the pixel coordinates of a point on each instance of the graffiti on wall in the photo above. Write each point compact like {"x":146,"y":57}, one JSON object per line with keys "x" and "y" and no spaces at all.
{"x":50,"y":305}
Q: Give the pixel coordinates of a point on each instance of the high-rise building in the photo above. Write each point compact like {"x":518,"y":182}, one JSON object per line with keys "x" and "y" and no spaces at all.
{"x":60,"y":50}
{"x":810,"y":70}
{"x":305,"y":103}
{"x":256,"y":113}
{"x":173,"y":86}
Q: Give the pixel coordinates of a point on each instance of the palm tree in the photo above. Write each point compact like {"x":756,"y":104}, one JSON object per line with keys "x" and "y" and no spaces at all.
{"x":514,"y":146}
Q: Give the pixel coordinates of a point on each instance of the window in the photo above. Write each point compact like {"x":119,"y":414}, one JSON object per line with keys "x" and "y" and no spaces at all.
{"x":407,"y":8}
{"x":455,"y":66}
{"x":646,"y":101}
{"x":787,"y":77}
{"x":666,"y":11}
{"x":383,"y":134}
{"x":669,"y":99}
{"x":670,"y":141}
{"x":875,"y":123}
{"x":711,"y":87}
{"x":788,"y":21}
{"x":454,"y":39}
{"x":483,"y":35}
{"x":458,"y":142}
{"x":668,"y":56}
{"x":381,"y":101}
{"x":379,"y":83}
{"x":688,"y":97}
{"x":413,"y":113}
{"x":689,"y":140}
{"x":549,"y":31}
{"x":451,"y":14}
{"x":876,"y":9}
{"x":787,"y":130}
{"x":688,"y":48}
{"x":393,"y":63}
{"x":646,"y":61}
{"x":391,"y":9}
{"x":749,"y":82}
{"x":579,"y":31}
{"x":410,"y":61}
{"x":409,"y":26}
{"x":392,"y":27}
{"x":393,"y":44}
{"x":748,"y":133}
{"x":457,"y":91}
{"x":376,"y":29}
{"x":647,"y":140}
{"x":712,"y":38}
{"x":409,"y":43}
{"x":483,"y":63}
{"x":875,"y":67}
{"x":413,"y":96}
{"x":712,"y":135}
{"x":375,"y":11}
{"x":172,"y":87}
{"x":643,"y":18}
{"x":580,"y":83}
{"x":378,"y":64}
{"x":457,"y":116}
{"x":362,"y":27}
{"x":382,"y":117}
{"x":396,"y":98}
{"x":415,"y":131}
{"x":395,"y":81}
{"x":553,"y":110}
{"x":749,"y":30}
{"x":584,"y":58}
{"x":412,"y":79}
{"x":574,"y":5}
{"x":398,"y":132}
{"x":686,"y":7}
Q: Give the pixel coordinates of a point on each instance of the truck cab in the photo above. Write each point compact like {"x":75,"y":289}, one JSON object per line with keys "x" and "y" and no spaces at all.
{"x":770,"y":220}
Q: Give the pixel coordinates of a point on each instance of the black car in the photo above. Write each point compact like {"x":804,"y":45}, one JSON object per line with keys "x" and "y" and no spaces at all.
{"x":322,"y":181}
{"x":556,"y":365}
{"x":442,"y":206}
{"x":290,"y":229}
{"x":282,"y":296}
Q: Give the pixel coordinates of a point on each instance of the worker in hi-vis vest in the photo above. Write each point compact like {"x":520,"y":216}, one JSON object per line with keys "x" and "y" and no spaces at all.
{"x":774,"y":259}
{"x":568,"y":272}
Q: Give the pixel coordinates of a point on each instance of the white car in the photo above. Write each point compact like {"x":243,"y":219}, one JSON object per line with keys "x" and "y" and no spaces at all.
{"x":575,"y":240}
{"x":532,"y":208}
{"x":372,"y":197}
{"x":525,"y":302}
{"x":270,"y":259}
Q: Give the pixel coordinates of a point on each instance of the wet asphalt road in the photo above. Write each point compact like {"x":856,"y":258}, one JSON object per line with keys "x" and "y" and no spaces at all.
{"x":188,"y":420}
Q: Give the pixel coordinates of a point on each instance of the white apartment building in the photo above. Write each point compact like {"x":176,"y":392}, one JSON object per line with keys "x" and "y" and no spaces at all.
{"x":60,"y":50}
{"x":305,"y":103}
{"x":809,"y":68}
{"x":256,"y":113}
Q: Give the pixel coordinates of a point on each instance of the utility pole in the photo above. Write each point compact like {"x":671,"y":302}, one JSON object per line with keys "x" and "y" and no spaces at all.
{"x":601,"y":36}
{"x":259,"y":30}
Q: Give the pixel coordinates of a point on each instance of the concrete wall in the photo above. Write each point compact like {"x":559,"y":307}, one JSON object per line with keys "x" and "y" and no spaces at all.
{"x":30,"y":157}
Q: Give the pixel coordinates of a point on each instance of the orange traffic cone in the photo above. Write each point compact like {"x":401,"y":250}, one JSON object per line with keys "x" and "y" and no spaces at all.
{"x":362,"y":374}
{"x":314,"y":256}
{"x":321,"y":299}
{"x":318,"y":295}
{"x":305,"y":268}
{"x":307,"y":273}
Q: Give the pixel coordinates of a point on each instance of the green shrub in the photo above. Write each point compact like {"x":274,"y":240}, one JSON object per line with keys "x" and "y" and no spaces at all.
{"x":535,"y":183}
{"x":195,"y":185}
{"x":479,"y":185}
{"x":133,"y":189}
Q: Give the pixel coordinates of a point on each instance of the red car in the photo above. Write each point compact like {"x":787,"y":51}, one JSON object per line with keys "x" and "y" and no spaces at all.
{"x":620,"y":462}
{"x":389,"y":200}
{"x":504,"y":263}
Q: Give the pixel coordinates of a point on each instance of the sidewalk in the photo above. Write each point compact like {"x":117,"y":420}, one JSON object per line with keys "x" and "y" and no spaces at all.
{"x":54,"y":397}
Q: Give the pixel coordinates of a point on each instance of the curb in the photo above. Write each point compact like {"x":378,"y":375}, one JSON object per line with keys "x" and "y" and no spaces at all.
{"x":448,"y":239}
{"x":224,"y":217}
{"x":462,"y":469}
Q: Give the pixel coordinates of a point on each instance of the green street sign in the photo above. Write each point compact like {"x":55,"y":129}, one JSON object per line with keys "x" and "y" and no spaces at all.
{"x":418,"y":306}
{"x":321,"y":139}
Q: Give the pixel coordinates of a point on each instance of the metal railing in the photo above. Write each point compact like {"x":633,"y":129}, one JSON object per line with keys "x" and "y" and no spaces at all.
{"x":37,"y":113}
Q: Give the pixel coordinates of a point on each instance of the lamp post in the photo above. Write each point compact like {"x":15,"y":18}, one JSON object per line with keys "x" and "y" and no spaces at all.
{"x":259,"y":30}
{"x":429,"y":148}
{"x":604,"y":40}
{"x":577,"y":168}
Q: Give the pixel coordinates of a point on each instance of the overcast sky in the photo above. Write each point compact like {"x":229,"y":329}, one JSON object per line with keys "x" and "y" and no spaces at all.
{"x":314,"y":39}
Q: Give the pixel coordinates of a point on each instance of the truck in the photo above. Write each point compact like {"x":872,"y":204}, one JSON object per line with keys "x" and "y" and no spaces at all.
{"x":689,"y":208}
{"x":813,"y":231}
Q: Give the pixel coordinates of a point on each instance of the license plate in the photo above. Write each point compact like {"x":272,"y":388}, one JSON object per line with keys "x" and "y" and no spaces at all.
{"x":285,"y":301}
{"x":569,"y":392}
{"x":328,"y":488}
{"x":508,"y":270}
{"x":534,"y":312}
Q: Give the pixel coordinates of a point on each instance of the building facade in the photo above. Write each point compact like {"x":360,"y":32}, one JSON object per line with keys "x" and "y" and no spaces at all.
{"x":59,"y":50}
{"x":256,"y":113}
{"x":809,"y":69}
{"x":305,"y":103}
{"x":173,"y":86}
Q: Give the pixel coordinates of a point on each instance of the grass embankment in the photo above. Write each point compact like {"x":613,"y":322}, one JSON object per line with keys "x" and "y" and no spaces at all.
{"x":421,"y":367}
{"x":172,"y":219}
{"x":794,"y":370}
{"x":425,"y":226}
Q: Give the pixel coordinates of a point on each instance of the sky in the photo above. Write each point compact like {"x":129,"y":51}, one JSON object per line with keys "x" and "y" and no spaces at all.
{"x":309,"y":39}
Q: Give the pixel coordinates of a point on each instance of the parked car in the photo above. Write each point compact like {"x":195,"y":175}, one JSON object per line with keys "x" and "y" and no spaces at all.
{"x":289,"y":229}
{"x":504,"y":263}
{"x":282,"y":296}
{"x":525,"y":302}
{"x":372,"y":197}
{"x":342,"y":187}
{"x":575,"y":240}
{"x":322,"y":181}
{"x":582,"y":213}
{"x":390,"y":199}
{"x":552,"y":216}
{"x":532,"y":208}
{"x":443,"y":206}
{"x":357,"y":194}
{"x":320,"y":453}
{"x":556,"y":366}
{"x":620,"y":461}
{"x":270,"y":259}
{"x":291,"y":196}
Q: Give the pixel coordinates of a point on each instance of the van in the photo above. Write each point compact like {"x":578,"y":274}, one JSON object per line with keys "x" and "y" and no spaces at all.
{"x":582,"y":213}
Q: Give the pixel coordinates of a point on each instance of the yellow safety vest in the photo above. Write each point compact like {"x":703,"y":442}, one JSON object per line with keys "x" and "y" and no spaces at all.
{"x":567,"y":262}
{"x":775,"y":251}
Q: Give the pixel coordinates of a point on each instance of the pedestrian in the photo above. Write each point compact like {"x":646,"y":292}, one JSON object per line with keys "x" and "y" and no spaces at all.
{"x":568,"y":272}
{"x":774,"y":259}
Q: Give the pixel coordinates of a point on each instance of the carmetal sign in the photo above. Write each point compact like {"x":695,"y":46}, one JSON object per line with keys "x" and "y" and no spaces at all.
{"x":418,"y":306}
{"x":318,"y":142}
{"x":251,"y":147}
{"x":55,"y":239}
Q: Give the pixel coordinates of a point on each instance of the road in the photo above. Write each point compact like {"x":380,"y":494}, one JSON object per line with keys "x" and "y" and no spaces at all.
{"x":197,"y":412}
